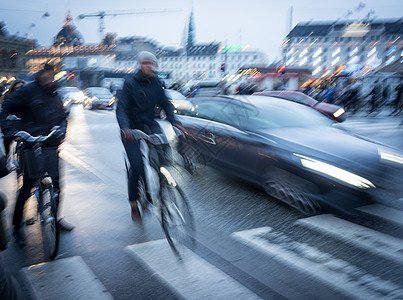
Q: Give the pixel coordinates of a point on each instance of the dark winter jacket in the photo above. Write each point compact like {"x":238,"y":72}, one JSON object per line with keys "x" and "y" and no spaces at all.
{"x":137,"y":102}
{"x":38,"y":110}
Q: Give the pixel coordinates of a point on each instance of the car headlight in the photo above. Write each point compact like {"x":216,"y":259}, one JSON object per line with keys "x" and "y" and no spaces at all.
{"x":391,"y":157}
{"x":80,"y":96}
{"x":335,"y":172}
{"x":66,"y":103}
{"x":339,"y":112}
{"x":111,"y":101}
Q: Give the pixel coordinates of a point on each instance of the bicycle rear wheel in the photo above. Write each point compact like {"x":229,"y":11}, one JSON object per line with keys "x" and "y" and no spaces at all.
{"x":176,"y":218}
{"x":48,"y":215}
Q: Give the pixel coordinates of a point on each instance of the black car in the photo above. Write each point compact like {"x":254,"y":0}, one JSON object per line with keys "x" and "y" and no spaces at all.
{"x":297,"y":154}
{"x":98,"y":98}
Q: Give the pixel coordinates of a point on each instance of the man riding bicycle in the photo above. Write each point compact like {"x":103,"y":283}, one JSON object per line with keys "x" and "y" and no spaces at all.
{"x":141,"y":93}
{"x":39,"y":109}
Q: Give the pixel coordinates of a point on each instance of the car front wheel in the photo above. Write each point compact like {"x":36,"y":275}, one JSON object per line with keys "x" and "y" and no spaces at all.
{"x":292,"y":190}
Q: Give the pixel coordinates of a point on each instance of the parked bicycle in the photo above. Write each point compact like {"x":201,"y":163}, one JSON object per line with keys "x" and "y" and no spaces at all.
{"x":41,"y":164}
{"x":158,"y":189}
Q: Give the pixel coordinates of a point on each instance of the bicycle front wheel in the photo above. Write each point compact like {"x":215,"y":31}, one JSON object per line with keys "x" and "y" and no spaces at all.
{"x":176,"y":218}
{"x":49,"y":225}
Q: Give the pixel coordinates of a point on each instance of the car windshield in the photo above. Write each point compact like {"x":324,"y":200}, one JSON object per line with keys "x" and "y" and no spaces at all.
{"x":275,"y":115}
{"x":174,"y":95}
{"x":300,"y":98}
{"x":99,"y":92}
{"x":294,"y":96}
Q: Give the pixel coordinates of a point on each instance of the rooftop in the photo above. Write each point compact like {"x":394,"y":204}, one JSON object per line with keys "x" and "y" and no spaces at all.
{"x":323,"y":28}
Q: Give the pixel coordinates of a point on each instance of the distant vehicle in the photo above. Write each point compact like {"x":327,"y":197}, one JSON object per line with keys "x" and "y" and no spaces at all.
{"x":69,"y":96}
{"x":98,"y":98}
{"x":71,"y":93}
{"x":333,"y":111}
{"x":178,"y":100}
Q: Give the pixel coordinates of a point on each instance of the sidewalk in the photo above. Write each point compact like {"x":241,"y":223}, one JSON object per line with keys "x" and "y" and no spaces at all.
{"x":383,"y":114}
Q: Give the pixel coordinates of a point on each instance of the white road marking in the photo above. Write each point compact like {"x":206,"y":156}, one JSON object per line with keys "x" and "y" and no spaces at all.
{"x":335,"y":273}
{"x":193,"y":277}
{"x":119,"y":184}
{"x":362,"y":237}
{"x":67,"y":278}
{"x":384,"y":212}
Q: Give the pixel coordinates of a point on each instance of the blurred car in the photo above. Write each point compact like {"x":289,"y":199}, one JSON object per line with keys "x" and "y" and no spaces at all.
{"x":71,"y":93}
{"x":178,"y":100}
{"x":69,"y":96}
{"x":333,"y":111}
{"x":98,"y":98}
{"x":295,"y":153}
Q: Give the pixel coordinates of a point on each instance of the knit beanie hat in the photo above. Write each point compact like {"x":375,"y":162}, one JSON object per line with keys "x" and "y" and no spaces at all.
{"x":145,"y":55}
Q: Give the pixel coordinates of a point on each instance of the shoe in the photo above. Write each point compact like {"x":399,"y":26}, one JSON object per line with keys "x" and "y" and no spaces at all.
{"x":136,"y":216}
{"x":65,"y":226}
{"x":19,"y":237}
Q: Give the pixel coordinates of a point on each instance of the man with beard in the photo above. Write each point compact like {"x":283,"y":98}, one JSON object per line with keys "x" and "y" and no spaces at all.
{"x":39,"y":109}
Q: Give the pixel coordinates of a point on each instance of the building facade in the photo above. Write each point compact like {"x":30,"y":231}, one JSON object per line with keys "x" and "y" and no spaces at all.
{"x":12,"y":54}
{"x":86,"y":62}
{"x":344,"y":46}
{"x":209,"y":62}
{"x":127,"y":49}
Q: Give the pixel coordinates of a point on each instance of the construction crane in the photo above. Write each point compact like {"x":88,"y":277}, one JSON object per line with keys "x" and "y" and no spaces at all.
{"x":102,"y":14}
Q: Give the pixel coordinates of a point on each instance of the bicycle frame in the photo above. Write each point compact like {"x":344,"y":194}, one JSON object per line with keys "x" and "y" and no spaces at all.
{"x":43,"y":185}
{"x":168,"y":199}
{"x":151,"y":176}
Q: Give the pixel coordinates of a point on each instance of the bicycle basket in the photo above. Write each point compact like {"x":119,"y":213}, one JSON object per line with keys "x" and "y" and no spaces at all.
{"x":47,"y":161}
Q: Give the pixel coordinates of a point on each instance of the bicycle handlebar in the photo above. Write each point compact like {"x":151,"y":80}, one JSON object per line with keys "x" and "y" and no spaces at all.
{"x":25,"y":136}
{"x":155,"y":138}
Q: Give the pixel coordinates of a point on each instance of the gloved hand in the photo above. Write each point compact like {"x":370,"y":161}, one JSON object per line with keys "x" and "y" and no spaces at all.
{"x":178,"y":128}
{"x":126,"y":134}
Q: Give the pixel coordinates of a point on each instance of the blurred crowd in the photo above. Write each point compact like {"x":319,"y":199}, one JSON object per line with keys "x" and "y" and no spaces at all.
{"x":353,"y":97}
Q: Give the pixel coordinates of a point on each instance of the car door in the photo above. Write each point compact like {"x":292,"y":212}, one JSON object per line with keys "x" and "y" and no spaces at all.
{"x":247,"y":151}
{"x":206,"y":127}
{"x":222,"y":138}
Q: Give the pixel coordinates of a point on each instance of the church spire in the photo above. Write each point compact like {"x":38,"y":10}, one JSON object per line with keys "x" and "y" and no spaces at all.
{"x":69,"y":19}
{"x":191,"y":39}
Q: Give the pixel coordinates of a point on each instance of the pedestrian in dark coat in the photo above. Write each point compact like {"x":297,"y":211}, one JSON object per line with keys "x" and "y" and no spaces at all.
{"x":40,"y":108}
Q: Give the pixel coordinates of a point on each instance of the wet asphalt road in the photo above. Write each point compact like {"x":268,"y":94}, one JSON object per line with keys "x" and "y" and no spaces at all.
{"x":95,"y":202}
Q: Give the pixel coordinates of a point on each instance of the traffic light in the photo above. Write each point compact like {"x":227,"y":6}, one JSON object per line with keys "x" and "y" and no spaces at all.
{"x":70,"y":76}
{"x":281,"y":70}
{"x":222,"y":68}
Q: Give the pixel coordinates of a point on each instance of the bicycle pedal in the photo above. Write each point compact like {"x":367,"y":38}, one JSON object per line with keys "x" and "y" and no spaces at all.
{"x":47,"y":180}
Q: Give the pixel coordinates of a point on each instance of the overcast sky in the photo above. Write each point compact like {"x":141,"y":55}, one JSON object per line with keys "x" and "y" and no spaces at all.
{"x":261,"y":24}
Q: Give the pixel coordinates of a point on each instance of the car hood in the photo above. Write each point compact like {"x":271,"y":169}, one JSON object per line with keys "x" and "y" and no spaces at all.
{"x":328,"y":144}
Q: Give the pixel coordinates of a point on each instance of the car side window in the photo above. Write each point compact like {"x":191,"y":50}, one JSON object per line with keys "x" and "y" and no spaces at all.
{"x":209,"y":110}
{"x":239,"y":115}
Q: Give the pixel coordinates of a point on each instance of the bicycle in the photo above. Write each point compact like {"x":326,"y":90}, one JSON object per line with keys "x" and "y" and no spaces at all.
{"x":157,"y":188}
{"x":41,"y":164}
